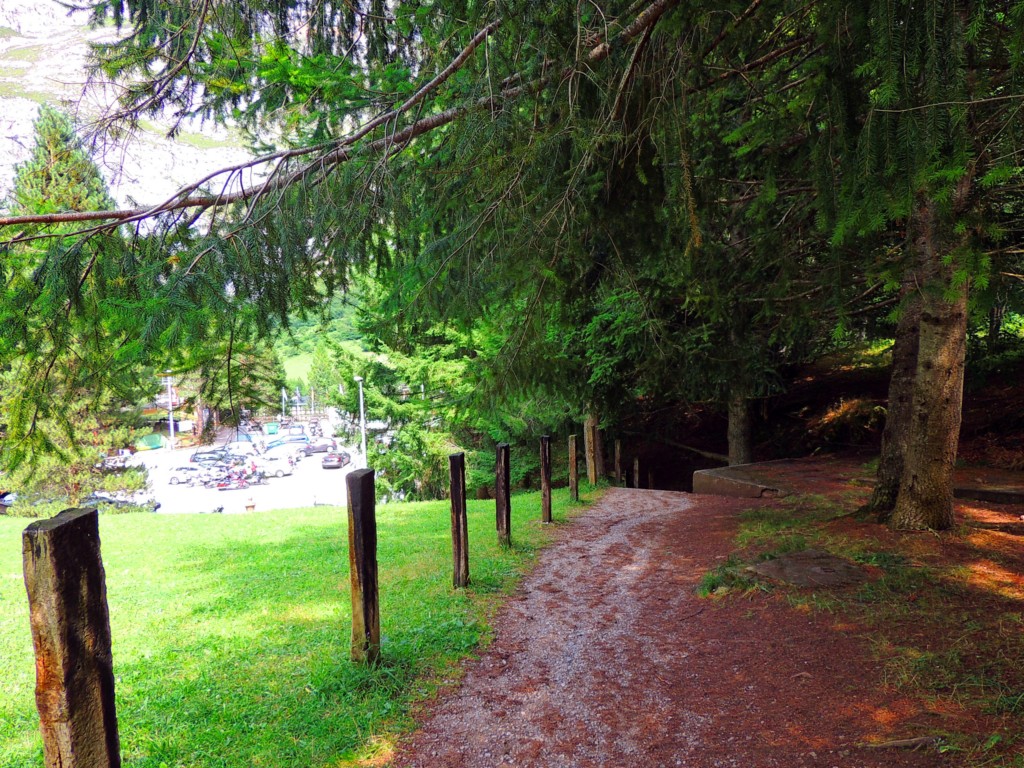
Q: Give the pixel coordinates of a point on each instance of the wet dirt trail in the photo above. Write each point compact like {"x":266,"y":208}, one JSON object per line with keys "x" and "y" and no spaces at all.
{"x":606,"y":656}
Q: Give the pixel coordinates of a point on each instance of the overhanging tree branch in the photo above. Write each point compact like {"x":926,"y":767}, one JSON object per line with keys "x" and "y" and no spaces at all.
{"x":336,"y":153}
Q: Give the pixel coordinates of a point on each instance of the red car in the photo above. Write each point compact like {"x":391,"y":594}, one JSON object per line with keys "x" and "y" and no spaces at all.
{"x":320,"y":446}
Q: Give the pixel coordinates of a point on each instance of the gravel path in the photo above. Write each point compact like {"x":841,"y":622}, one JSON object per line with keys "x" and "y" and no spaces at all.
{"x":606,"y":657}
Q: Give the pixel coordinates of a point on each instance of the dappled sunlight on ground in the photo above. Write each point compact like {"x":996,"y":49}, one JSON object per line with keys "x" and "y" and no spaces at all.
{"x":993,"y":577}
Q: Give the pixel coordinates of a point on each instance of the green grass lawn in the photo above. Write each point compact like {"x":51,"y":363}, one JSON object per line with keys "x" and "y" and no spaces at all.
{"x":231,"y":632}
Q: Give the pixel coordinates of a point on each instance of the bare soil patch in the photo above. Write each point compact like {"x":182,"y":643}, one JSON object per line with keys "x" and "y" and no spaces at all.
{"x":607,"y":656}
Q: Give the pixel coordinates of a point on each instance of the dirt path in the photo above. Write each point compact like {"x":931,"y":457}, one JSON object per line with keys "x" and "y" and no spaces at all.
{"x":606,"y":657}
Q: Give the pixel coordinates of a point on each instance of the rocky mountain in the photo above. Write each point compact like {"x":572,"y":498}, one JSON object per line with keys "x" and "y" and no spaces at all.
{"x":43,"y":52}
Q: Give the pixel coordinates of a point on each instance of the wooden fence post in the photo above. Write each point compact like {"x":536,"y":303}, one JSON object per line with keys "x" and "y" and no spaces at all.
{"x":67,"y":596}
{"x":574,"y":470}
{"x":618,"y":462}
{"x":650,"y":479}
{"x":598,"y":451}
{"x":503,"y":495}
{"x":545,"y":479}
{"x":590,"y":448}
{"x":460,"y":535}
{"x":636,"y":472}
{"x":362,"y":565}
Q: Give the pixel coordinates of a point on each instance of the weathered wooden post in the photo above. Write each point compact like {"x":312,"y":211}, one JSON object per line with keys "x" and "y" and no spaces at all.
{"x":574,"y":470}
{"x":618,"y":462}
{"x":636,"y":472}
{"x":650,"y":479}
{"x":503,"y":495}
{"x":590,"y":447}
{"x":67,"y":597}
{"x":460,"y":534}
{"x":545,"y":479}
{"x":362,"y":566}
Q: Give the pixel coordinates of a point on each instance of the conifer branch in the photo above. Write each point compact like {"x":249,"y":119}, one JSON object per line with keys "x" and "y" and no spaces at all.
{"x":336,"y":153}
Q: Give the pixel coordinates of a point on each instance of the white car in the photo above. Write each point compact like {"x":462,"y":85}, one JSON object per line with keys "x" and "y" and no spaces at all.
{"x":274,"y":466}
{"x":242,"y":448}
{"x":186,"y":474}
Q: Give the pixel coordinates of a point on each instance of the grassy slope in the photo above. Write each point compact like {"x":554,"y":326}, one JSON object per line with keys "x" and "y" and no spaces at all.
{"x":231,"y":632}
{"x":296,"y":368}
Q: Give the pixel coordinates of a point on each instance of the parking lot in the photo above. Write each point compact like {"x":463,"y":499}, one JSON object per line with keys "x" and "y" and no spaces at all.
{"x":309,"y":485}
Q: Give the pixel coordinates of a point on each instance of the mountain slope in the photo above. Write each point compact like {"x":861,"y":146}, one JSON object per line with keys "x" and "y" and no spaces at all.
{"x":42,"y":60}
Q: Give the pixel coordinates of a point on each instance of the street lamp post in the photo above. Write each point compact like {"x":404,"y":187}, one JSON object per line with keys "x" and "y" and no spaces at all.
{"x":362,"y":420}
{"x":170,"y":408}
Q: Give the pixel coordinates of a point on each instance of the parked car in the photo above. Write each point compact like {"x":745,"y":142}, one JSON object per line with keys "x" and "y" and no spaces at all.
{"x":284,"y":440}
{"x":319,"y":446}
{"x":208,"y":456}
{"x":274,"y":466}
{"x":336,"y":460}
{"x":241,"y":448}
{"x":291,"y":451}
{"x":187,"y":474}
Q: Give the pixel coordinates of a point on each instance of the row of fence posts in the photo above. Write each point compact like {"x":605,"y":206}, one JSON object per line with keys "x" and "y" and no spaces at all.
{"x":620,"y":475}
{"x":70,"y":620}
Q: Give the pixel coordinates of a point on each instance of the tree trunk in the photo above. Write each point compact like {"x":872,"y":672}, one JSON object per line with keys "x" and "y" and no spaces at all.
{"x":901,"y":390}
{"x":925,"y":498}
{"x":741,"y":441}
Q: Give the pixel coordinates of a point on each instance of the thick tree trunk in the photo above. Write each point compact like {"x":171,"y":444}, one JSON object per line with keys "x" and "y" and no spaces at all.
{"x":740,"y":431}
{"x":925,"y":498}
{"x":901,"y":390}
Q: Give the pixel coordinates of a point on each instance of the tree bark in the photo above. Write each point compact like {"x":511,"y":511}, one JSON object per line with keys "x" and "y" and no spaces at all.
{"x":925,"y":498}
{"x":901,"y":391}
{"x":740,"y":432}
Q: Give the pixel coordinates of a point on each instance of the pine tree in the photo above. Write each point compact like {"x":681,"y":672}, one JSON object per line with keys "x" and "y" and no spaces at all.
{"x":928,"y":97}
{"x":63,"y":417}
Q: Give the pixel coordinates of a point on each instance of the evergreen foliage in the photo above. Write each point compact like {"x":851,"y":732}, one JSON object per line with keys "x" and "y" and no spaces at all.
{"x":600,"y":205}
{"x":46,"y":395}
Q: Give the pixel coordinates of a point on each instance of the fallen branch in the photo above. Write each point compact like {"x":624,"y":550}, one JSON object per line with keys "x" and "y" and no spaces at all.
{"x":915,"y":743}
